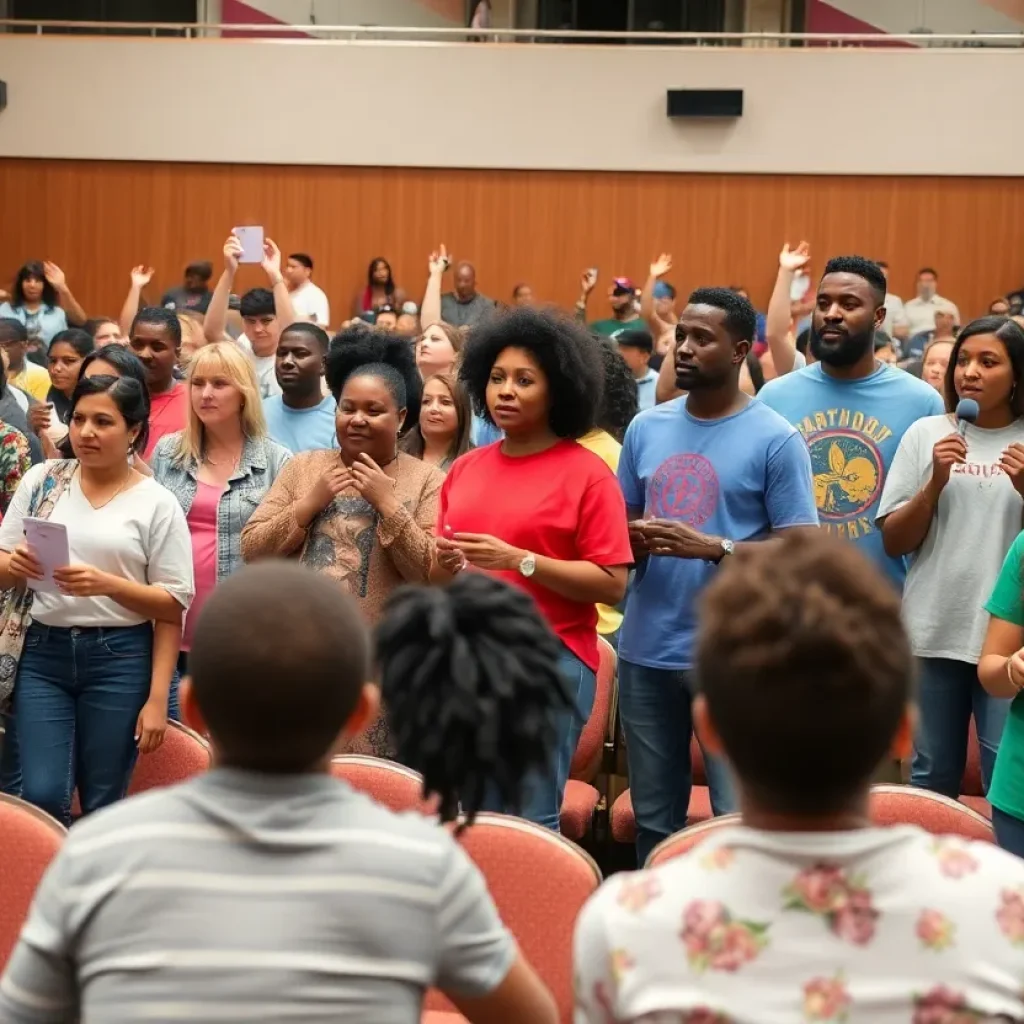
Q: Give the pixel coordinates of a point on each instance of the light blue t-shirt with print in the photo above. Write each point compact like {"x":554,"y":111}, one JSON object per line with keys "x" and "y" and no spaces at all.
{"x":301,"y":430}
{"x":739,"y":478}
{"x":852,"y":429}
{"x":646,"y":388}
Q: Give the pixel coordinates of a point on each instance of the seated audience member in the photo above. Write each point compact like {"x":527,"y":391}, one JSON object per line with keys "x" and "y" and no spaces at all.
{"x":386,"y":319}
{"x":105,"y":331}
{"x":804,"y":910}
{"x":263,"y":312}
{"x":156,"y":340}
{"x":438,"y":348}
{"x":999,"y":307}
{"x":24,"y":374}
{"x":944,"y":330}
{"x":360,"y":910}
{"x":308,"y":299}
{"x":408,"y":325}
{"x":522,"y":295}
{"x":380,"y":289}
{"x":637,"y":347}
{"x":536,"y":509}
{"x":464,"y":306}
{"x":68,"y":349}
{"x":41,"y":301}
{"x":885,"y":351}
{"x":94,"y":676}
{"x":920,"y":311}
{"x":195,"y":292}
{"x":446,"y":421}
{"x":621,"y":298}
{"x":932,"y":366}
{"x":219,"y":467}
{"x":302,"y":417}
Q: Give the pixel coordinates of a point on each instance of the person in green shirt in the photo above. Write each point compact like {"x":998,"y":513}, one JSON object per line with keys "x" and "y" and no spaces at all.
{"x":622,"y":299}
{"x":1001,"y":672}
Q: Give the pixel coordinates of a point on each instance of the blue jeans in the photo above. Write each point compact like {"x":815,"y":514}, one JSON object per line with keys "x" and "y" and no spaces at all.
{"x":1009,"y":832}
{"x":655,"y":709}
{"x":76,"y":703}
{"x":543,"y":793}
{"x":949,"y":694}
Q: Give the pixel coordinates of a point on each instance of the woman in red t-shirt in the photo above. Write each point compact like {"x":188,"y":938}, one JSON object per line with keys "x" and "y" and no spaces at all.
{"x":535,"y":508}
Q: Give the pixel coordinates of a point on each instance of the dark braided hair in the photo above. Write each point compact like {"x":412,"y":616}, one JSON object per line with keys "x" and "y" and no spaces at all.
{"x":469,"y":674}
{"x":619,"y":402}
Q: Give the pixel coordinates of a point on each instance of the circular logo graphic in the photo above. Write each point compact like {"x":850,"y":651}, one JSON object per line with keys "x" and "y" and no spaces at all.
{"x":847,"y":471}
{"x":684,"y":487}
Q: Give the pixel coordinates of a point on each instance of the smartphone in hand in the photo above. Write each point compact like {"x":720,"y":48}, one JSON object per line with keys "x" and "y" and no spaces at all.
{"x":252,"y":244}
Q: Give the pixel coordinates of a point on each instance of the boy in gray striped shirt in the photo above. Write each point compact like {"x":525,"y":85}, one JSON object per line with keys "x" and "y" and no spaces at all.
{"x":266,"y":890}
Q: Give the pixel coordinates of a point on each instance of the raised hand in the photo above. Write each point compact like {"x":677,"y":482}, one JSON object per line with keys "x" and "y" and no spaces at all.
{"x":588,"y":281}
{"x":271,"y":262}
{"x":438,"y":261}
{"x":54,"y":275}
{"x":141,"y":276}
{"x":232,"y":253}
{"x":795,"y":259}
{"x":662,"y":265}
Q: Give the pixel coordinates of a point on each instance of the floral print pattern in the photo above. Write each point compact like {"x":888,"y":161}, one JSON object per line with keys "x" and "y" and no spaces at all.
{"x":718,"y":859}
{"x":635,"y":894}
{"x":1010,"y":915}
{"x":715,"y":941}
{"x":935,"y":930}
{"x":954,"y":860}
{"x":943,"y":1006}
{"x":826,"y":999}
{"x":845,"y":903}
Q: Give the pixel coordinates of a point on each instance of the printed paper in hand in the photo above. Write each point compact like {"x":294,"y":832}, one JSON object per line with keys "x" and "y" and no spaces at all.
{"x":49,"y":542}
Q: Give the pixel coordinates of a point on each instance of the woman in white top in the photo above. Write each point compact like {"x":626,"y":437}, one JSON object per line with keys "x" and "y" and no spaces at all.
{"x":92,"y":683}
{"x":953,"y":504}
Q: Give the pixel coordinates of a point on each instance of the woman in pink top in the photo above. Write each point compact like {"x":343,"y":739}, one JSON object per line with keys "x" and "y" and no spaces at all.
{"x":220,"y":466}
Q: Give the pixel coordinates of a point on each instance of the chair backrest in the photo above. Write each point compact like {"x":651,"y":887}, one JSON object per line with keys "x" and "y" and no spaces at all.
{"x":907,"y":805}
{"x":396,"y":787}
{"x":586,"y":761}
{"x":29,"y":840}
{"x":182,"y":755}
{"x":686,"y":839}
{"x":971,"y":783}
{"x":539,"y":882}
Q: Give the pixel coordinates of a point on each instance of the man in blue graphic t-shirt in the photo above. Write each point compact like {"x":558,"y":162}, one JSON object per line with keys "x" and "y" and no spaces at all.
{"x":851,"y":409}
{"x":702,"y":475}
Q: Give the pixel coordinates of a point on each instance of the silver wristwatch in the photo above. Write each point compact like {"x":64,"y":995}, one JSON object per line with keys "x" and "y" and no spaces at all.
{"x":528,"y":566}
{"x":728,"y":548}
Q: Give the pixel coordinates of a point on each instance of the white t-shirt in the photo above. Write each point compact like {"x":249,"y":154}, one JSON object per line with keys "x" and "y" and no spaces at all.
{"x":264,"y":367}
{"x":141,"y":535}
{"x":873,"y":926}
{"x":311,"y":301}
{"x":978,"y":517}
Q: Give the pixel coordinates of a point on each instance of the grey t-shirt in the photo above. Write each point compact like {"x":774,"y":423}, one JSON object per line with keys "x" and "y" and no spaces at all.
{"x":465,"y":314}
{"x":253,"y":898}
{"x":978,"y":517}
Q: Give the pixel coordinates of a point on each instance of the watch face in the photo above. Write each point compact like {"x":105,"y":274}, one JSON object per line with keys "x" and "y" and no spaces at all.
{"x":528,"y":565}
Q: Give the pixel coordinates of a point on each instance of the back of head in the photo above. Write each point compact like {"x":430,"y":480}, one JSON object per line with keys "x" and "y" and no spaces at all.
{"x":278,"y":661}
{"x":806,"y":670}
{"x":860,"y":266}
{"x":740,"y":316}
{"x":12,"y":330}
{"x":469,"y":674}
{"x":619,"y":402}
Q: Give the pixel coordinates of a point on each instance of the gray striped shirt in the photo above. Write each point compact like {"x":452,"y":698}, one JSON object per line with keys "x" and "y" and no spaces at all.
{"x":237,"y":897}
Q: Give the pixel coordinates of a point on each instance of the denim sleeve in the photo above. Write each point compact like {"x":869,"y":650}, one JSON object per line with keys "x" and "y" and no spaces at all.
{"x":789,"y":487}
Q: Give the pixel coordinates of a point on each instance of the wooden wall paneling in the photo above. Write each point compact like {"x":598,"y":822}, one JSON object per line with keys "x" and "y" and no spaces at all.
{"x":98,"y":219}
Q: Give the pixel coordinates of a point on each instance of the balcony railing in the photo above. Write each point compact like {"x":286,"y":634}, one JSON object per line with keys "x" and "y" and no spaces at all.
{"x":320,"y":34}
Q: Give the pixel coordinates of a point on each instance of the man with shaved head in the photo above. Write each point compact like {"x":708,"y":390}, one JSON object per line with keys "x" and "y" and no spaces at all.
{"x":465,"y":306}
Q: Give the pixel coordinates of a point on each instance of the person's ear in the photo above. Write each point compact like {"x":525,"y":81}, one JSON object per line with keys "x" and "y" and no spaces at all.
{"x":402,"y":413}
{"x":704,"y":726}
{"x":740,"y":354}
{"x":903,"y":741}
{"x":364,"y":714}
{"x":190,"y":713}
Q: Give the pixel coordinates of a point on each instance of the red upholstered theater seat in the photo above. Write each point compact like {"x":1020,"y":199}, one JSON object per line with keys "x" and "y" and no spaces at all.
{"x":29,"y":840}
{"x":685,"y":840}
{"x":389,"y":783}
{"x":907,"y":805}
{"x":182,"y":755}
{"x":539,"y":882}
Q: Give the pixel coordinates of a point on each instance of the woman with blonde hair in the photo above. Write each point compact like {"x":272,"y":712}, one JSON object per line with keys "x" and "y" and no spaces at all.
{"x":192,"y":336}
{"x":445,"y":424}
{"x":438,"y":348}
{"x":220,"y":466}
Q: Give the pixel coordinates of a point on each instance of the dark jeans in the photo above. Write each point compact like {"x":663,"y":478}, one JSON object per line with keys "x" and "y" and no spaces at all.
{"x":949,"y":694}
{"x":542,"y":794}
{"x":1009,"y":831}
{"x":654,"y":705}
{"x":76,"y":703}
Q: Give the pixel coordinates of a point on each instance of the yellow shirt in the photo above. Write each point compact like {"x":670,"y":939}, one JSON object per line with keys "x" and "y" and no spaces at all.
{"x":33,"y":380}
{"x":606,"y":448}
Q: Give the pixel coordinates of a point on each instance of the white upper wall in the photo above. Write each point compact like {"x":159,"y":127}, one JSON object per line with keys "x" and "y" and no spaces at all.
{"x":813,"y":111}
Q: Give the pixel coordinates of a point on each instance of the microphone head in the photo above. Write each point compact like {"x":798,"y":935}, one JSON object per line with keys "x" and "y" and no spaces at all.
{"x":967,"y":409}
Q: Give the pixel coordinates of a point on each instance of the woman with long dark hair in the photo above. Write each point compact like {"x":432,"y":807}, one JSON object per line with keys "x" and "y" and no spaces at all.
{"x":380,"y":289}
{"x":445,"y":424}
{"x":952,"y":504}
{"x":67,"y":352}
{"x":41,"y":300}
{"x":537,"y":509}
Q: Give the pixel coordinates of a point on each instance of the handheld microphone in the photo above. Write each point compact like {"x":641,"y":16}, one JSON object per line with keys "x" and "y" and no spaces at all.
{"x":966,"y":412}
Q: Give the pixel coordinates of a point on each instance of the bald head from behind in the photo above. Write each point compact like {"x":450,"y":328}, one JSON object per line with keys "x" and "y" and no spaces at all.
{"x":278,"y":668}
{"x":465,"y":281}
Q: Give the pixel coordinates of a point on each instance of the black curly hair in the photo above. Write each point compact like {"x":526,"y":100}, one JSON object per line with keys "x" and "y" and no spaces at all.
{"x":469,"y":675}
{"x":563,"y":349}
{"x":388,"y":357}
{"x":619,"y":403}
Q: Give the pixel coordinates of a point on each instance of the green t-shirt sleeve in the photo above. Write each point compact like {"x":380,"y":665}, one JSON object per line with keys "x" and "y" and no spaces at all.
{"x":1007,"y":600}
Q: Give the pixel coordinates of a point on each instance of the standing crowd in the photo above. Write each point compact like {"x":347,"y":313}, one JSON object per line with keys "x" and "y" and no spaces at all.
{"x":778,"y":520}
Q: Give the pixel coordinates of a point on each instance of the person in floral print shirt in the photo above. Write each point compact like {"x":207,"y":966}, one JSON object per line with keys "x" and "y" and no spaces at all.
{"x":803,"y":911}
{"x":15,"y":461}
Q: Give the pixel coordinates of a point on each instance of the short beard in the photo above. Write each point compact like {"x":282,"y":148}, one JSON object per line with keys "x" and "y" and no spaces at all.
{"x":848,"y":353}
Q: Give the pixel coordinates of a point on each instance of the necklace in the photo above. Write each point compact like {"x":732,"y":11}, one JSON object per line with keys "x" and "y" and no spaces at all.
{"x":120,"y":488}
{"x":234,"y":460}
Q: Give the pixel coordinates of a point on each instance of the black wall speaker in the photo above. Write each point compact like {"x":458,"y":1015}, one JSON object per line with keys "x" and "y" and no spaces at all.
{"x":705,"y":103}
{"x":3,"y":96}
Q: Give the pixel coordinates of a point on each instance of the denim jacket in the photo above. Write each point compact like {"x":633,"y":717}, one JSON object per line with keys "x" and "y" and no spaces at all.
{"x":258,"y":467}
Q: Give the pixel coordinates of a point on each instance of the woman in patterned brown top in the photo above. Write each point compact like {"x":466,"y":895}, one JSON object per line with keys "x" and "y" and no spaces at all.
{"x":363,"y":515}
